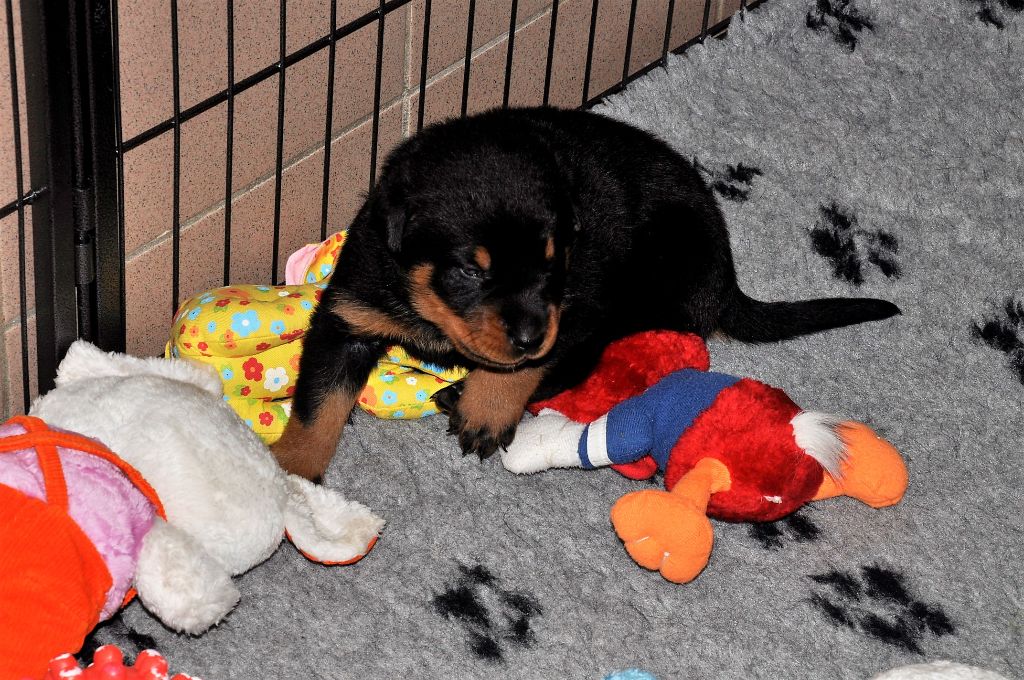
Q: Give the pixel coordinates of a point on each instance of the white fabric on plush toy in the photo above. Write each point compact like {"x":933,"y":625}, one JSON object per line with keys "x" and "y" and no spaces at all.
{"x":228,"y":503}
{"x":939,"y":670}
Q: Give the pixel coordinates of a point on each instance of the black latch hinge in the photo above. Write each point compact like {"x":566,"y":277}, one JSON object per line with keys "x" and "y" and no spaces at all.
{"x":85,"y":263}
{"x":85,"y":245}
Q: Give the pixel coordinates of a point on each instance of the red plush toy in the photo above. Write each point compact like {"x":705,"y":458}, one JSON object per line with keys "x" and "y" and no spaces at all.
{"x":732,"y":448}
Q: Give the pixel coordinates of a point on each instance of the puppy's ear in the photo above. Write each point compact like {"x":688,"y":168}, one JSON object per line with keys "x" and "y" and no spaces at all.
{"x":566,"y":202}
{"x":393,"y":194}
{"x":570,"y":213}
{"x":387,"y":212}
{"x":395,"y":220}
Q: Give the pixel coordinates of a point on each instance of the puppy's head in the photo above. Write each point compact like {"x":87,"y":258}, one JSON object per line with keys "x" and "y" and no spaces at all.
{"x":480,"y":230}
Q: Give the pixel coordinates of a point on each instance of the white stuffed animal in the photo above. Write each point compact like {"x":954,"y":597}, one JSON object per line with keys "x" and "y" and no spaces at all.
{"x":227,"y":502}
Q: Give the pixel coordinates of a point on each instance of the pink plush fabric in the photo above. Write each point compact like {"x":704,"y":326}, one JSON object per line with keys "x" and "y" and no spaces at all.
{"x":106,"y":505}
{"x":298,"y":263}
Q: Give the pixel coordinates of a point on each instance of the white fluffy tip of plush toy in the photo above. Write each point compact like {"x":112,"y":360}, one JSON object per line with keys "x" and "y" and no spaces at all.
{"x":179,"y":582}
{"x":326,"y":527}
{"x":818,"y":435}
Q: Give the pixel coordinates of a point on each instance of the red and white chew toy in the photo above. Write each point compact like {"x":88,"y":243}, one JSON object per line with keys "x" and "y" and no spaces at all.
{"x":108,"y":664}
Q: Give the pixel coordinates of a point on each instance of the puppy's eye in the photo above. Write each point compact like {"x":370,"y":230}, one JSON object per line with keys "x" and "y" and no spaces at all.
{"x":471,"y":272}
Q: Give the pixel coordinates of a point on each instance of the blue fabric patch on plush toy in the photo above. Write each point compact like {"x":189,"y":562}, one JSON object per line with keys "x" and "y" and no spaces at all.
{"x":630,"y":674}
{"x":654,"y":421}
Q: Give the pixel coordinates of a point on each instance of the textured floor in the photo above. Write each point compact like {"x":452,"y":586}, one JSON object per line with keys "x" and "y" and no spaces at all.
{"x":888,"y":163}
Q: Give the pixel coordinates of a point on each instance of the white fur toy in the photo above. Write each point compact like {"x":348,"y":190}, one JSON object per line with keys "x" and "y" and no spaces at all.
{"x":227,"y":502}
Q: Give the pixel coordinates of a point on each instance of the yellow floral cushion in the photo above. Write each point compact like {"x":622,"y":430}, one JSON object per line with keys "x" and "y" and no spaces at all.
{"x":253,"y":334}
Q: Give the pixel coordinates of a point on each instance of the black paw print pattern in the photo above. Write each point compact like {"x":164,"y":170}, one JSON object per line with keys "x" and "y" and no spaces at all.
{"x":114,"y":631}
{"x":839,"y":238}
{"x":840,"y":19}
{"x":797,"y":527}
{"x":878,"y":603}
{"x":991,"y":12}
{"x":1004,"y":331}
{"x":490,"y":614}
{"x":733,"y":182}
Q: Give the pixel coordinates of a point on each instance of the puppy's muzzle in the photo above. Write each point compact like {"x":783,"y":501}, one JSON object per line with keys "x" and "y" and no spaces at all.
{"x":527,"y":336}
{"x":531,"y":332}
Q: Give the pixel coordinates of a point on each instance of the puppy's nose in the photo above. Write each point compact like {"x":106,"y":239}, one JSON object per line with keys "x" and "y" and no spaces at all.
{"x":527,"y":337}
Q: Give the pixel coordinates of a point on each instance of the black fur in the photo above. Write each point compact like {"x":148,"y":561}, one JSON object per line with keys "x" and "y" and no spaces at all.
{"x":639,"y":243}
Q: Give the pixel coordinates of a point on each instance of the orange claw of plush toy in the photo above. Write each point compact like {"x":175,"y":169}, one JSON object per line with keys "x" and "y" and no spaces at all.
{"x":669,"y":531}
{"x":108,"y":664}
{"x":664,"y":532}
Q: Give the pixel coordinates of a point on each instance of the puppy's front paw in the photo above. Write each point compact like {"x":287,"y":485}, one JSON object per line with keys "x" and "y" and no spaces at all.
{"x":447,"y":398}
{"x":488,"y":408}
{"x":480,"y":437}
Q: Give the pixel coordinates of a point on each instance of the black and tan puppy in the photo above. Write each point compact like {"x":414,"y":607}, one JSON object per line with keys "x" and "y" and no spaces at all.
{"x":518,"y":244}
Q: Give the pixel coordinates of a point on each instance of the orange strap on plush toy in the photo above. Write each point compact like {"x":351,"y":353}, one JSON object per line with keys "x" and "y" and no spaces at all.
{"x":40,"y":616}
{"x":45,"y":441}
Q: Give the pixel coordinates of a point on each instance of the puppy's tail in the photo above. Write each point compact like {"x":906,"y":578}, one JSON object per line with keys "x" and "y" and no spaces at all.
{"x":750,"y":320}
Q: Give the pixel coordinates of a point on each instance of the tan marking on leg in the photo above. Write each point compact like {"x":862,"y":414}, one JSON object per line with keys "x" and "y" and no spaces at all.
{"x":374,"y":323}
{"x":306,"y":449}
{"x":482,"y":257}
{"x":366,"y":321}
{"x":494,"y":400}
{"x":549,"y":248}
{"x":371,"y":322}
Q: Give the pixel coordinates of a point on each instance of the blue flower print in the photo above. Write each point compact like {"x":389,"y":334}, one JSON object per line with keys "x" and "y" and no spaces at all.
{"x":325,"y":269}
{"x":211,"y":327}
{"x":205,"y":299}
{"x":226,"y":373}
{"x":427,"y":412}
{"x":277,"y":327}
{"x":306,"y":304}
{"x":422,"y":395}
{"x":193,"y":313}
{"x":398,"y":414}
{"x":310,"y":277}
{"x":389,"y":397}
{"x":387,"y":378}
{"x":431,"y":368}
{"x":263,"y":289}
{"x":245,"y":323}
